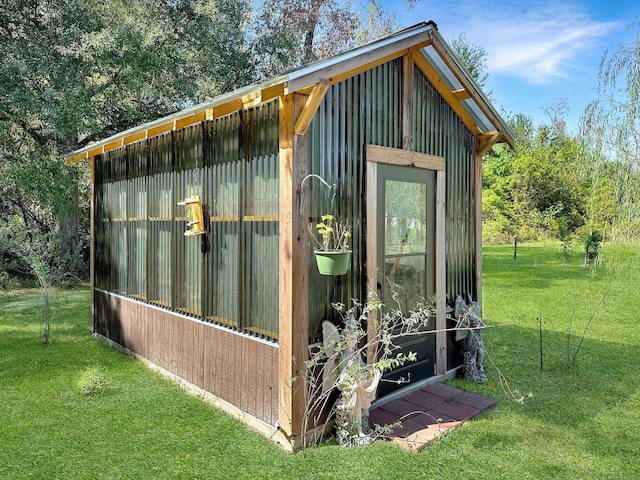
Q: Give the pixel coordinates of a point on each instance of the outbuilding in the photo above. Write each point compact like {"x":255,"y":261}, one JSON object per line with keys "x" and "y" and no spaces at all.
{"x":202,"y":261}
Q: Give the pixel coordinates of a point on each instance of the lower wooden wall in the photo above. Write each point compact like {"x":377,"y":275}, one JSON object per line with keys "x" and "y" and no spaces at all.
{"x":235,"y":368}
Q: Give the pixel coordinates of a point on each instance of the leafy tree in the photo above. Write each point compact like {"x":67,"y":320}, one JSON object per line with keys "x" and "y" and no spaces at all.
{"x":73,"y":72}
{"x":535,"y":190}
{"x":473,"y":58}
{"x":293,"y":32}
{"x":34,"y":250}
{"x":610,"y":126}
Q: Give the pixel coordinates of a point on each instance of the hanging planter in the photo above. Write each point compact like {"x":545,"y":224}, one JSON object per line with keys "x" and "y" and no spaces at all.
{"x":333,"y":255}
{"x":333,"y":262}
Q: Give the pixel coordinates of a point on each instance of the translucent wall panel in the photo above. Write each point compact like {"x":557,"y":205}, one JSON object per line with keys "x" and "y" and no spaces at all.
{"x":189,"y":181}
{"x":137,"y":221}
{"x":260,"y":221}
{"x":161,"y":213}
{"x":223,"y":173}
{"x":230,"y":274}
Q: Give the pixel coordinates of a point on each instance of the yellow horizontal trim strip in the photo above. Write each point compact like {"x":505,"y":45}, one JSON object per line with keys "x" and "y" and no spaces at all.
{"x":225,"y":218}
{"x":261,"y":218}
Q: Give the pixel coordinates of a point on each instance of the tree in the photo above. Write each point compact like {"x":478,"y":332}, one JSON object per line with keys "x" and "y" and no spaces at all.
{"x":73,"y":72}
{"x":534,"y":190}
{"x":289,"y":33}
{"x":609,"y":127}
{"x":473,"y":58}
{"x":34,"y":251}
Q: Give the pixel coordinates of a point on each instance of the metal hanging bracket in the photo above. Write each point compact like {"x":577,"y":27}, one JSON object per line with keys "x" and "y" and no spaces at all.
{"x":332,"y":188}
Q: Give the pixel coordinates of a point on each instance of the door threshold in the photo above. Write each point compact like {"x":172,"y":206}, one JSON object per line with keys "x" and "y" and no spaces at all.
{"x":401,"y":392}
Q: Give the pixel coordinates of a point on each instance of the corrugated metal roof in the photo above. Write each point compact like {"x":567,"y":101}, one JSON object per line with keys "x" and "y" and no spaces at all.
{"x":424,"y":36}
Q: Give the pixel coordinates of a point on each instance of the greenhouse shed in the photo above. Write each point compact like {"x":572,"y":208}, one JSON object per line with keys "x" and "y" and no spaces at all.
{"x":201,"y":255}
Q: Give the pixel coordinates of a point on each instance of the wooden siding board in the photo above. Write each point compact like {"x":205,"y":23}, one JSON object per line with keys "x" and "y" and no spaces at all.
{"x":253,"y":387}
{"x":226,"y":376}
{"x":242,"y":353}
{"x":260,"y":394}
{"x":213,"y":361}
{"x":233,"y":367}
{"x":275,"y":387}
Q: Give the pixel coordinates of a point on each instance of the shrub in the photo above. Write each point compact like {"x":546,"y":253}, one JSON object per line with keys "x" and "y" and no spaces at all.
{"x":592,"y":245}
{"x":92,"y":381}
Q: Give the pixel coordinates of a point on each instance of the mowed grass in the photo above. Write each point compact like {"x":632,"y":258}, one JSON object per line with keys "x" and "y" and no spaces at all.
{"x":579,"y":421}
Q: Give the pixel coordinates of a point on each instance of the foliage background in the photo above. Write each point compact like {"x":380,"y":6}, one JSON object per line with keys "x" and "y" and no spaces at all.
{"x":77,"y":71}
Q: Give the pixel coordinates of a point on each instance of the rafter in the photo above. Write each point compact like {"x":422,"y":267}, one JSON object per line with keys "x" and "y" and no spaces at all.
{"x":486,"y":141}
{"x":443,"y":89}
{"x":311,"y":106}
{"x":446,"y":57}
{"x":462,"y":94}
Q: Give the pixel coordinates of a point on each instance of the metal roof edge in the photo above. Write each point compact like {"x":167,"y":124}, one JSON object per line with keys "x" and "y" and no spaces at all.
{"x":198,"y":108}
{"x":299,"y":78}
{"x":504,"y":129}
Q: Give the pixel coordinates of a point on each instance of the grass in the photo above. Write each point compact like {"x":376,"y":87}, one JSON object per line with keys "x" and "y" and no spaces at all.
{"x":580,"y":422}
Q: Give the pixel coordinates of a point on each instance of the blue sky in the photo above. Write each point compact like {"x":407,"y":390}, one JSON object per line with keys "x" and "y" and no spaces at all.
{"x":538,"y":52}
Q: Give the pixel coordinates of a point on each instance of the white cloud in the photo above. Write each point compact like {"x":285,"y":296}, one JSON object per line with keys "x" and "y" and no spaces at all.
{"x":538,"y":41}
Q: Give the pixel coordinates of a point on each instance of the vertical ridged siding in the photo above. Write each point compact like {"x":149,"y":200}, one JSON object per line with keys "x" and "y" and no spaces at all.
{"x":223,"y":173}
{"x":189,"y":181}
{"x":260,"y":221}
{"x":161,"y":220}
{"x":438,"y":131}
{"x":228,"y":276}
{"x":365,"y":109}
{"x":137,"y":191}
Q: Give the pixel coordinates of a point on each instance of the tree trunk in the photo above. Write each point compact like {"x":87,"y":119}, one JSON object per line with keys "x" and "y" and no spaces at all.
{"x":310,"y":28}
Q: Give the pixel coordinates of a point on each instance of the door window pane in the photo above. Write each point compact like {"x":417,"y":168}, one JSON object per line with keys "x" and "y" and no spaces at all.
{"x":408,"y":273}
{"x":405,"y":217}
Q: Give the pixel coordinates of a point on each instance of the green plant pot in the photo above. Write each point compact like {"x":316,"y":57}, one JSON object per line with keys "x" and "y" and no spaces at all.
{"x":333,"y":262}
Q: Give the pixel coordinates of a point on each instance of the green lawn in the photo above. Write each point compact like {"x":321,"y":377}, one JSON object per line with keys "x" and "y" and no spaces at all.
{"x":581,"y":422}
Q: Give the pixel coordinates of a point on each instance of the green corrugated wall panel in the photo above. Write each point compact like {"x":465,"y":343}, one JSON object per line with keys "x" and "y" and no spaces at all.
{"x":438,"y":131}
{"x":230,"y":275}
{"x":365,"y":109}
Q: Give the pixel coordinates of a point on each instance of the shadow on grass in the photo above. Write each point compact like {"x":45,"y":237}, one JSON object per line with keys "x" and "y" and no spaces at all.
{"x":592,"y":400}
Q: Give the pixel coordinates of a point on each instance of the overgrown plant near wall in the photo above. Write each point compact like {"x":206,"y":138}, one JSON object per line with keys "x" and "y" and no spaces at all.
{"x":340,"y":383}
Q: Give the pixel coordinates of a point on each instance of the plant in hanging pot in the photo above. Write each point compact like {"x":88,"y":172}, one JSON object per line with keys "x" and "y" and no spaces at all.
{"x":333,"y":254}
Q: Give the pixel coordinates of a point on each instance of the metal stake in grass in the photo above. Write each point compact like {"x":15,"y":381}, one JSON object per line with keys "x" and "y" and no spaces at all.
{"x":540,"y":320}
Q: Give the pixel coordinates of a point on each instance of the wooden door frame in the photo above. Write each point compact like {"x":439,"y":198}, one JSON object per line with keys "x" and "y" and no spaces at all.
{"x":405,"y":158}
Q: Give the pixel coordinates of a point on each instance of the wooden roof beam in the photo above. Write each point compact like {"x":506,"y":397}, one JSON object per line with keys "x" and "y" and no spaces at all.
{"x":311,"y":106}
{"x":467,"y":85}
{"x":444,"y":90}
{"x":461,"y":94}
{"x":488,"y":140}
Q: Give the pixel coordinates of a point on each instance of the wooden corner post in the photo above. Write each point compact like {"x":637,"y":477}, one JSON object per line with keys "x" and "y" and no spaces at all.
{"x":293,"y":268}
